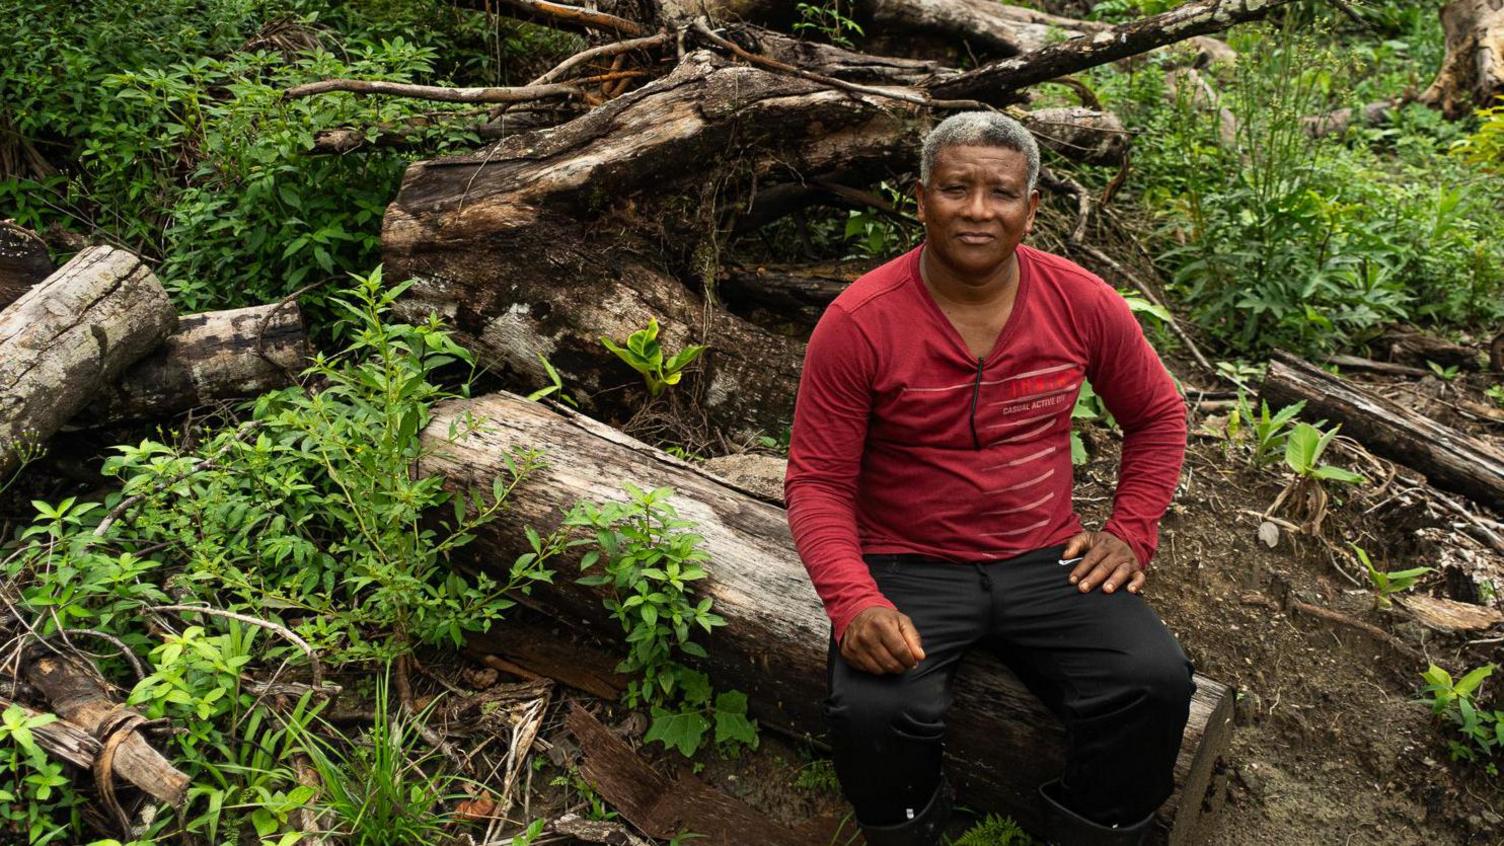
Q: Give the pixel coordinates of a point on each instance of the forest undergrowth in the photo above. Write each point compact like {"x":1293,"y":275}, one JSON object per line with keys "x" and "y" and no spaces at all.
{"x":245,"y":575}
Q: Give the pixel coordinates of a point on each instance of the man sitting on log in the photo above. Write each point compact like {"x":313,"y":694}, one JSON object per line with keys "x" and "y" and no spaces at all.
{"x":929,"y":494}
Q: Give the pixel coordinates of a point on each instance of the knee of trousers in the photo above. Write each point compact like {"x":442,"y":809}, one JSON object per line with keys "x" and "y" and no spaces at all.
{"x":880,"y":719}
{"x":1163,"y":681}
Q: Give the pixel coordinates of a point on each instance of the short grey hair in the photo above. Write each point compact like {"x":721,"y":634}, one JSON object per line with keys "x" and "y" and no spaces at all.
{"x":979,"y":129}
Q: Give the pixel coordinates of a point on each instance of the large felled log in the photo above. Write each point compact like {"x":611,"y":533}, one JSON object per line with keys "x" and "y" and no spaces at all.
{"x":69,"y":336}
{"x":1449,"y":459}
{"x":1003,"y":742}
{"x":549,"y":241}
{"x":1472,"y":73}
{"x":213,"y":356}
{"x":80,"y":699}
{"x":24,"y":261}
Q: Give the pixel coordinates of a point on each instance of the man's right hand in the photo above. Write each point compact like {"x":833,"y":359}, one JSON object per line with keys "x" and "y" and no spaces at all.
{"x":880,"y":640}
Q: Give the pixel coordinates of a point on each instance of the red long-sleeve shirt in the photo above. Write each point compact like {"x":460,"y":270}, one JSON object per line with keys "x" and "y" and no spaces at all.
{"x":903,"y":441}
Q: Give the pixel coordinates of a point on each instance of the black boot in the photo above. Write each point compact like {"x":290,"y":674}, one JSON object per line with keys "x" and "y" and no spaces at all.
{"x":1064,"y":827}
{"x":923,"y":829}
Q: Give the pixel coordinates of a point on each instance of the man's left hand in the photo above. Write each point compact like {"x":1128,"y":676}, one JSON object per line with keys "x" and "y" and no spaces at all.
{"x":1105,"y":560}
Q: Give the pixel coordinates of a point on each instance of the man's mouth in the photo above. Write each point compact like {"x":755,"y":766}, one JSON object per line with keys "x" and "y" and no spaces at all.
{"x":975,"y":237}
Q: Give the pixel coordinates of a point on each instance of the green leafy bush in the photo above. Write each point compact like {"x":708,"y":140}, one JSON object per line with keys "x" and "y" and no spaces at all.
{"x":311,"y":515}
{"x":650,"y":560}
{"x":170,"y":135}
{"x":1277,"y":239}
{"x":1482,"y":729}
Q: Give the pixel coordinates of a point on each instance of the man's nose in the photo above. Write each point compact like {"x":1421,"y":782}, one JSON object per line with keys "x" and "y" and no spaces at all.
{"x":977,"y":207}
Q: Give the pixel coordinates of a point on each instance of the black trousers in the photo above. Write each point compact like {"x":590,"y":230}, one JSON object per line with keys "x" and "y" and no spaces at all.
{"x":1103,"y":663}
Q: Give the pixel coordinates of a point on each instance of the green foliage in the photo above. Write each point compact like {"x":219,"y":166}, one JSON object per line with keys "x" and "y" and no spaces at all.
{"x":31,"y":800}
{"x":1267,"y":433}
{"x":995,"y":831}
{"x":176,"y":141}
{"x":819,"y":775}
{"x":828,"y":20}
{"x":1389,"y":583}
{"x":556,"y":386}
{"x":1482,"y":729}
{"x":1303,"y":449}
{"x":1495,"y":393}
{"x":1117,"y":11}
{"x":384,"y":788}
{"x":650,"y":558}
{"x":872,"y":233}
{"x":1446,"y":374}
{"x":1485,"y":147}
{"x":644,"y":354}
{"x":1277,"y":239}
{"x":312,"y":514}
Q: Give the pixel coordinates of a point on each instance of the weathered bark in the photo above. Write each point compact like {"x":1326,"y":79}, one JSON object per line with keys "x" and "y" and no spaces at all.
{"x":1416,"y":348}
{"x":24,"y":261}
{"x":69,"y":336}
{"x":79,"y":698}
{"x":996,"y":82}
{"x":774,"y":643}
{"x":1449,"y":459}
{"x":1472,"y":73}
{"x":980,"y":28}
{"x":663,"y":807}
{"x":797,"y":294}
{"x":213,"y":356}
{"x":549,"y":241}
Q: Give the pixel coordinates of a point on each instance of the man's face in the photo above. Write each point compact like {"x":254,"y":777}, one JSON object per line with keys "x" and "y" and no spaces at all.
{"x":977,"y":208}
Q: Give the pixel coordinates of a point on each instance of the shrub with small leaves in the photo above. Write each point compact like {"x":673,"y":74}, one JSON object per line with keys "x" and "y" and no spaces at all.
{"x":650,"y":559}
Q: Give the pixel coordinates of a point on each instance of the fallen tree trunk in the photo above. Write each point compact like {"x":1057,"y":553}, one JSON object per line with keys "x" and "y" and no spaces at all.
{"x":77,"y":696}
{"x":1448,"y":459}
{"x":1472,"y":73}
{"x":210,"y":357}
{"x":68,"y":337}
{"x":24,"y":261}
{"x":548,"y":242}
{"x":993,"y":83}
{"x":774,"y":643}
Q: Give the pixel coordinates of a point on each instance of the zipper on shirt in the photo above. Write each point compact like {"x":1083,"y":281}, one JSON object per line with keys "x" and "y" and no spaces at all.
{"x":976,"y":388}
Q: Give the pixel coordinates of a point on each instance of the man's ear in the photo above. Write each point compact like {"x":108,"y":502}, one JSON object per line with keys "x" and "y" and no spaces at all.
{"x":919,"y":200}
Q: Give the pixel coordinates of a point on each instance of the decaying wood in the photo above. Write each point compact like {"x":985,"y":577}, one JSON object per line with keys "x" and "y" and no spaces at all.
{"x":1472,"y":73}
{"x":995,"y":82}
{"x":542,"y":653}
{"x":774,"y":643}
{"x":581,"y":830}
{"x":24,"y":261}
{"x":1449,"y":615}
{"x":1354,"y":362}
{"x":515,"y":94}
{"x":1417,"y":348}
{"x":661,"y":807}
{"x":549,"y":241}
{"x":76,"y":695}
{"x":210,"y":357}
{"x":1449,"y":459}
{"x":68,"y":337}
